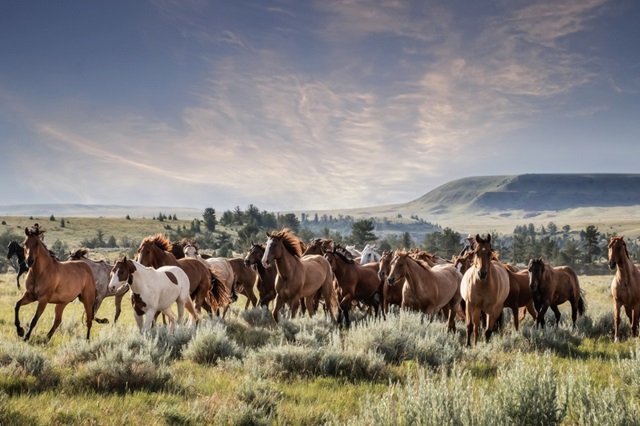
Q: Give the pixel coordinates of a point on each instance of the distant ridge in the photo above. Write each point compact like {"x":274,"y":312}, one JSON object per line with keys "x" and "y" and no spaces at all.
{"x":96,"y":210}
{"x":531,"y":192}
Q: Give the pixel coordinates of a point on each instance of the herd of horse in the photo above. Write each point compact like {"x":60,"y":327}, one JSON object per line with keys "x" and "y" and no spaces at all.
{"x":475,"y":286}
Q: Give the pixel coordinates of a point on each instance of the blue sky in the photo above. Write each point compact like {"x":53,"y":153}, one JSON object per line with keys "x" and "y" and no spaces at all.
{"x":293,"y":105}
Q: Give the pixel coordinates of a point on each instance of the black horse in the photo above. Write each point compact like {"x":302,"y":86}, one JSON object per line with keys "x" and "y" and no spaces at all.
{"x":17,"y":250}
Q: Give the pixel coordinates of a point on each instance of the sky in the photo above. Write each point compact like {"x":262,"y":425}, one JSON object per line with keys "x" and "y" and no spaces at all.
{"x":303,"y":105}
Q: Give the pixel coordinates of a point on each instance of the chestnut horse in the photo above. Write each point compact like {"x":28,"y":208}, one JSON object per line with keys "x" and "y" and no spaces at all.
{"x":52,"y":281}
{"x":399,"y":293}
{"x":625,"y":286}
{"x":298,"y":276}
{"x":318,"y":246}
{"x":435,"y":289}
{"x":551,"y":287}
{"x":205,"y":288}
{"x":267,"y":283}
{"x":484,"y":288}
{"x":101,"y":273}
{"x":519,"y":296}
{"x":15,"y":249}
{"x":356,"y":283}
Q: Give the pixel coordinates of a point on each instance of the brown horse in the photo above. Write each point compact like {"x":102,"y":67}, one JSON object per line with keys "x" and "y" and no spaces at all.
{"x":519,"y":296}
{"x":205,"y":289}
{"x":625,"y":286}
{"x":51,"y":281}
{"x":356,"y":282}
{"x":101,"y":273}
{"x":267,"y":283}
{"x":435,"y":289}
{"x":399,"y":294}
{"x":551,"y":287}
{"x":484,"y":288}
{"x":298,"y":276}
{"x":245,"y":279}
{"x":318,"y":246}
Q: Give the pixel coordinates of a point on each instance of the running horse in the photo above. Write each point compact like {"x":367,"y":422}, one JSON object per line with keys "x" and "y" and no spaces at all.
{"x":435,"y":289}
{"x":356,"y":282}
{"x":484,"y":288}
{"x":101,"y":273}
{"x":15,"y":249}
{"x":625,"y":286}
{"x":52,"y":281}
{"x":298,"y":276}
{"x":551,"y":287}
{"x":205,"y":289}
{"x":267,"y":283}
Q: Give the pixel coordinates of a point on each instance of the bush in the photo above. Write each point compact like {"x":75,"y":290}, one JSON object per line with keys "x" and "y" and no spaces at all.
{"x":211,"y":344}
{"x":25,"y":368}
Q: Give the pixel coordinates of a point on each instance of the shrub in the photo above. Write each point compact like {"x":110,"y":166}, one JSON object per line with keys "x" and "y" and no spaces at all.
{"x":211,"y":344}
{"x":25,"y":368}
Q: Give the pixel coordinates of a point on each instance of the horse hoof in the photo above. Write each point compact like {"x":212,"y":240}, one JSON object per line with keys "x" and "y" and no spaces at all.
{"x":101,"y":320}
{"x":20,"y":332}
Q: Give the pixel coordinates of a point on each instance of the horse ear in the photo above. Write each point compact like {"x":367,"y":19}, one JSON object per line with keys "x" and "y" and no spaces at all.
{"x":488,"y":238}
{"x":478,"y":239}
{"x":26,"y":231}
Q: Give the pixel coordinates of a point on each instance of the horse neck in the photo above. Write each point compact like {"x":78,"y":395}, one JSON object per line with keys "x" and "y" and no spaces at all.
{"x":140,"y":277}
{"x":286,"y":264}
{"x":45,"y":262}
{"x":416,"y":273}
{"x":166,"y":258}
{"x":628,"y":273}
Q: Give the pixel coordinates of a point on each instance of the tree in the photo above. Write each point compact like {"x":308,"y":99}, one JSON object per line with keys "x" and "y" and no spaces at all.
{"x":362,"y":232}
{"x":290,"y":221}
{"x":128,"y":217}
{"x":591,"y":247}
{"x":52,"y":218}
{"x":209,"y":217}
{"x":552,"y":228}
{"x":406,"y":240}
{"x":62,"y":223}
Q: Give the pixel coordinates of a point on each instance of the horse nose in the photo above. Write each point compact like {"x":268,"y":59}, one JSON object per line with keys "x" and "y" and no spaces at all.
{"x":390,"y":281}
{"x":482,"y":274}
{"x":246,"y":262}
{"x":30,"y":262}
{"x":612,"y":265}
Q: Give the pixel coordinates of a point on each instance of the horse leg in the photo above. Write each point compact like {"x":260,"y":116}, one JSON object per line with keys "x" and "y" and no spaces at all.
{"x":96,"y":306}
{"x":531,"y":309}
{"x":118,"y":303}
{"x":42,"y":304}
{"x":516,"y":319}
{"x":188,"y":304}
{"x":172,"y":319}
{"x":345,"y":309}
{"x":541,"y":313}
{"x":276,"y":309}
{"x":616,"y":320}
{"x":632,"y":314}
{"x":57,"y":319}
{"x":476,"y":319}
{"x":557,"y":313}
{"x":24,"y":300}
{"x":295,"y":305}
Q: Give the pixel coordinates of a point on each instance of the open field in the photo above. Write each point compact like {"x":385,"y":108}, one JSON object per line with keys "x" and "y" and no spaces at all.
{"x":247,"y":370}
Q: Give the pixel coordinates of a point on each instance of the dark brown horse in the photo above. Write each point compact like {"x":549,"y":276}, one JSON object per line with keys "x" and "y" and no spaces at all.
{"x":551,"y":287}
{"x":51,"y":281}
{"x":625,"y":286}
{"x":356,"y":282}
{"x":245,"y":279}
{"x":519,"y":296}
{"x":267,"y":283}
{"x":15,"y":249}
{"x":205,"y":289}
{"x":298,"y":276}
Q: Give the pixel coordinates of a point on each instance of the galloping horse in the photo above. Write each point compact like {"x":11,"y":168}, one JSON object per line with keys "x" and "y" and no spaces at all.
{"x":484,"y":288}
{"x":356,"y":282}
{"x":298,"y":276}
{"x":205,"y":289}
{"x":267,"y":283}
{"x":625,"y":286}
{"x":434,"y":288}
{"x":246,"y":280}
{"x":369,"y":255}
{"x":52,"y":281}
{"x":153,"y":291}
{"x":101,"y":273}
{"x":551,"y":287}
{"x":15,"y":249}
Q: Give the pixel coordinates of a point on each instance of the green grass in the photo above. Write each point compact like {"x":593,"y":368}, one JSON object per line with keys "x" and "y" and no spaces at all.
{"x":243,"y":370}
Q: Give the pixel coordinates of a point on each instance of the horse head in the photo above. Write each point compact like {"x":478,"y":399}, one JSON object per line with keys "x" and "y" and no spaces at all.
{"x":398,"y":267}
{"x":254,"y":254}
{"x":617,"y":251}
{"x":32,"y":243}
{"x":536,"y":269}
{"x":483,"y":254}
{"x":121,"y":274}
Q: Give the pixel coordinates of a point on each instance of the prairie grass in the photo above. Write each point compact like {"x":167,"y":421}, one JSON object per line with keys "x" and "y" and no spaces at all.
{"x":246,"y":369}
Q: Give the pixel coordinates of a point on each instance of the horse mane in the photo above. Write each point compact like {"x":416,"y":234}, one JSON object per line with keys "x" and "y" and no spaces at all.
{"x":79,"y":253}
{"x":159,"y":240}
{"x":293,"y":244}
{"x":423,"y":264}
{"x":343,"y":254}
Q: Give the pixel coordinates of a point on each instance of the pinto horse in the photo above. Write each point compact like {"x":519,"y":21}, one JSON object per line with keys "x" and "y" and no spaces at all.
{"x":153,"y":291}
{"x":205,"y":289}
{"x":15,"y":249}
{"x":298,"y":276}
{"x":356,"y":282}
{"x":484,"y":288}
{"x":625,"y":286}
{"x":101,"y":273}
{"x":52,"y":281}
{"x":435,"y":289}
{"x":551,"y":287}
{"x":267,"y":283}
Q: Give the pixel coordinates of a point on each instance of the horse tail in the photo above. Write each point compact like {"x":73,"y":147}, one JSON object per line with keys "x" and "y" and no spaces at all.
{"x":582,"y":304}
{"x":218,"y":296}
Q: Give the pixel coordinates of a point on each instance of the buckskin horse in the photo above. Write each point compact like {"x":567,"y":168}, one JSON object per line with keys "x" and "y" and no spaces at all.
{"x":52,"y":281}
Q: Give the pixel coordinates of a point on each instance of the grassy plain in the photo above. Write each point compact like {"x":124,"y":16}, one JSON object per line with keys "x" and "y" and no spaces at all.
{"x":247,"y":370}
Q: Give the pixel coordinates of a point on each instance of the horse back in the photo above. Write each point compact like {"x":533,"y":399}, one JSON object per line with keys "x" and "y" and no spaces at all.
{"x":198,"y":273}
{"x":565,"y":283}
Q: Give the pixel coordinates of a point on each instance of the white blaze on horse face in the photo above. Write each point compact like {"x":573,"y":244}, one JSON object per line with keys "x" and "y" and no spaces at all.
{"x":459,"y":266}
{"x":190,"y":251}
{"x":267,"y":251}
{"x":115,"y":283}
